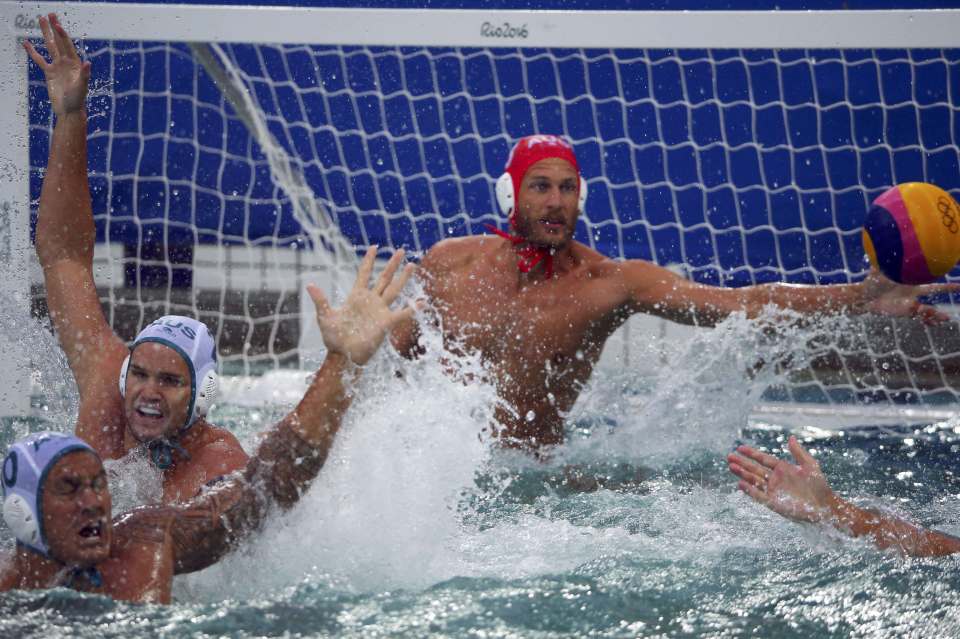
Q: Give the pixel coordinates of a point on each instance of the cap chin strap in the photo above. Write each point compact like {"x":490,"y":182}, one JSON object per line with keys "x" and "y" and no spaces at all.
{"x":530,"y":255}
{"x":205,"y":395}
{"x":90,"y":573}
{"x":161,"y":451}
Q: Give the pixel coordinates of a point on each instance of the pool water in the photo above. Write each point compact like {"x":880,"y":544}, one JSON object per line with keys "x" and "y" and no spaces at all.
{"x":420,"y":526}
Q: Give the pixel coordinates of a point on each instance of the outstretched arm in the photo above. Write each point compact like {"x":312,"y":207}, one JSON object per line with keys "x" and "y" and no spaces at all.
{"x":800,"y":492}
{"x":293,"y":452}
{"x":655,"y":290}
{"x":65,"y":231}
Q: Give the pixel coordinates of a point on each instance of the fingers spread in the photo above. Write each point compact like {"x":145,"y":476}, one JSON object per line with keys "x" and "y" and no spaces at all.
{"x":397,"y":285}
{"x":48,"y":38}
{"x":803,"y":457}
{"x":388,"y":272}
{"x":754,"y":492}
{"x":751,"y":474}
{"x":366,"y":268}
{"x":319,"y":300}
{"x":761,"y":458}
{"x":64,"y":43}
{"x":38,"y":59}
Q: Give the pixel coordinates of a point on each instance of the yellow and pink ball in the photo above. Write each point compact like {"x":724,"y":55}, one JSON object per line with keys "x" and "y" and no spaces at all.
{"x":912,"y":233}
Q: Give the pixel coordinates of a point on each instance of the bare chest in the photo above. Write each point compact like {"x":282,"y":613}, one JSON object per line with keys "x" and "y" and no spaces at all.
{"x":540,"y":325}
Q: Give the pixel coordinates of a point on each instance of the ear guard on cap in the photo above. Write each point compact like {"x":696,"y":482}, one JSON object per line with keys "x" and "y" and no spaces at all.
{"x":21,"y":519}
{"x":208,"y":390}
{"x":123,"y":376}
{"x":506,"y":198}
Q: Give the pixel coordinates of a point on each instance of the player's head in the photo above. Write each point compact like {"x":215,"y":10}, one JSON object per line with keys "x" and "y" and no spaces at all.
{"x":541,"y":190}
{"x":169,"y":380}
{"x":56,"y":500}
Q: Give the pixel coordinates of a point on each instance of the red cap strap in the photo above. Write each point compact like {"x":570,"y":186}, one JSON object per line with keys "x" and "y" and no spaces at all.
{"x":527,"y":256}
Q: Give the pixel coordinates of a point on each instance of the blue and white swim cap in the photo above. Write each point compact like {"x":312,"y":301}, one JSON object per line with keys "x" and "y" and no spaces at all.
{"x":192,"y":340}
{"x":24,"y":472}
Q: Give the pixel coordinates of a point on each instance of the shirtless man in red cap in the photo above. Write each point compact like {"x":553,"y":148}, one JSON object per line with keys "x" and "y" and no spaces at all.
{"x":539,"y":306}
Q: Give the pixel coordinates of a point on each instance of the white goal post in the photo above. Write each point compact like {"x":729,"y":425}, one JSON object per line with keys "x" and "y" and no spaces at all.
{"x":639,"y":92}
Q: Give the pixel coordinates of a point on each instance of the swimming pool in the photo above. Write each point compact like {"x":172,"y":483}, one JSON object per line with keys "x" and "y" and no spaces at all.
{"x":419,"y":527}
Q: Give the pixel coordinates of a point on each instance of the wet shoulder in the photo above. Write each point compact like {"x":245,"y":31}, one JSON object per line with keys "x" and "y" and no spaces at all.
{"x":594,"y":264}
{"x":219,"y":438}
{"x":218,"y":451}
{"x":457,"y":253}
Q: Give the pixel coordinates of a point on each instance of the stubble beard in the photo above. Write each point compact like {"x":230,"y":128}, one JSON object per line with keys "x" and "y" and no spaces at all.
{"x":528,"y":230}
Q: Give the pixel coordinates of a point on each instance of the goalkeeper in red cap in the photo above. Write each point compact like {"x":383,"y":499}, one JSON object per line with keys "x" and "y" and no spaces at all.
{"x":539,"y":305}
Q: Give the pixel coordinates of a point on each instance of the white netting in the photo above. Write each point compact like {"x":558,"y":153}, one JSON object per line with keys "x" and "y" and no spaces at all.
{"x":740,"y":166}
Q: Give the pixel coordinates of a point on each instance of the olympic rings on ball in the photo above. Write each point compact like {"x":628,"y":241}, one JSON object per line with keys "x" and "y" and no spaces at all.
{"x":912,"y":233}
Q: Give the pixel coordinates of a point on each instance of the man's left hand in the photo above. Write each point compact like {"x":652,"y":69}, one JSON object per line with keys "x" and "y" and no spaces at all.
{"x":883,"y":296}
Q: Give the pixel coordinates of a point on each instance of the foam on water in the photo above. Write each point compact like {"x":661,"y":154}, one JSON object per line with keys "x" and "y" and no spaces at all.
{"x":702,"y":395}
{"x":396,"y":505}
{"x":420,"y":524}
{"x":384,"y":511}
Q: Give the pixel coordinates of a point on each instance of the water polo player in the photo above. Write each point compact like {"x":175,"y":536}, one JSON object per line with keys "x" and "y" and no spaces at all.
{"x":171,"y":377}
{"x":559,"y":300}
{"x":168,"y":383}
{"x":57,"y":502}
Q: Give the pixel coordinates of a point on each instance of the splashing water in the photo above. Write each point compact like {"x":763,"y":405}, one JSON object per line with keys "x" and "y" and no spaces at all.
{"x":420,"y":525}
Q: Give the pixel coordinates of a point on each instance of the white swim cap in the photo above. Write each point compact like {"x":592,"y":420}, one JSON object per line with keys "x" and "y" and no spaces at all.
{"x":192,"y":340}
{"x":25,"y":469}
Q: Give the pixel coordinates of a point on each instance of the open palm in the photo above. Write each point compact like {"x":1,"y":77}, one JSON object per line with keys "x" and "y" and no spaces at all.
{"x":67,"y":75}
{"x":797,"y":491}
{"x":357,"y":328}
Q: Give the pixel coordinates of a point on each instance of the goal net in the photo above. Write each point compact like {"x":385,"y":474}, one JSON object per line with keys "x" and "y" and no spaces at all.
{"x":238,"y":153}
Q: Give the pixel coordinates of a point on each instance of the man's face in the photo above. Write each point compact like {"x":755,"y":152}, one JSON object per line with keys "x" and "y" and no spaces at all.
{"x":547,"y":203}
{"x":77,"y":510}
{"x":158,"y":392}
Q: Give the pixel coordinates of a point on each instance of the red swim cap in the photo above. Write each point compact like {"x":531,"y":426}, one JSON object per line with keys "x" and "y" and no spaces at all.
{"x":533,"y":148}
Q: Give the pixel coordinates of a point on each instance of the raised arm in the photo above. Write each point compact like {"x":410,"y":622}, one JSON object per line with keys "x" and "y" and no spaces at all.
{"x":293,"y":451}
{"x":655,"y":290}
{"x":800,"y":492}
{"x":65,"y":230}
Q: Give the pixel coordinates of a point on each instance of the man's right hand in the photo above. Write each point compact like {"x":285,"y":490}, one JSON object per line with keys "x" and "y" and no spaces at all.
{"x":67,"y":75}
{"x":357,"y":329}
